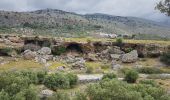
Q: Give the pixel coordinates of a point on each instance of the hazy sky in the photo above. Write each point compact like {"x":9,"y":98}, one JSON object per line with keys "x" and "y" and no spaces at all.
{"x":136,"y":8}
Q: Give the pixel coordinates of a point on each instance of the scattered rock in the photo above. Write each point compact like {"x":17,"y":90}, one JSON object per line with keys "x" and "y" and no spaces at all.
{"x":78,"y":64}
{"x":130,"y":57}
{"x":7,"y":42}
{"x":115,"y":56}
{"x":46,"y":93}
{"x":40,"y":60}
{"x":45,"y":51}
{"x":29,"y":55}
{"x":116,"y":50}
{"x":116,"y":66}
{"x":1,"y":59}
{"x":48,"y":57}
{"x":1,"y":40}
{"x":31,"y":47}
{"x":91,"y":57}
{"x":61,"y":68}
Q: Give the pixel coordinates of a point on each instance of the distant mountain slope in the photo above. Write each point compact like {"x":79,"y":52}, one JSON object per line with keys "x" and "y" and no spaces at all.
{"x":58,"y":22}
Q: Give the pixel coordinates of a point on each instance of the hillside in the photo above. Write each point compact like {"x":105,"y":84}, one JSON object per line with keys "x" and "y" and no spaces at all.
{"x":62,"y":23}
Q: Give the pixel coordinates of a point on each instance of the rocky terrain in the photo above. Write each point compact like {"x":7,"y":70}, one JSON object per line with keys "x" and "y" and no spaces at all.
{"x":89,"y":59}
{"x":76,"y":54}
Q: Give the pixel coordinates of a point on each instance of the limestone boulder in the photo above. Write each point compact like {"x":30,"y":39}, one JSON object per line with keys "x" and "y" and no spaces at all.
{"x":29,"y":55}
{"x":45,"y":51}
{"x":130,"y":57}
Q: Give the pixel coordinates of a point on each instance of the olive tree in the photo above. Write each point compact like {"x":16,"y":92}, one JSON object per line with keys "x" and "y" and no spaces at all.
{"x":164,"y":7}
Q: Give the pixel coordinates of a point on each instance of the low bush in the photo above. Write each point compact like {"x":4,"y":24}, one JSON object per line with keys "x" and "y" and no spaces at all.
{"x":109,"y":76}
{"x":131,"y":76}
{"x":165,"y":58}
{"x":41,"y":76}
{"x":60,"y":80}
{"x":150,"y":70}
{"x":73,"y":79}
{"x":149,"y":82}
{"x":81,"y":96}
{"x":119,"y":90}
{"x":59,"y":96}
{"x":16,"y":86}
{"x":59,"y":50}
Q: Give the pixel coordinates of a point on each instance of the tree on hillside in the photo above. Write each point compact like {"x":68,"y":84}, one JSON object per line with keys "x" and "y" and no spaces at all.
{"x":164,"y":7}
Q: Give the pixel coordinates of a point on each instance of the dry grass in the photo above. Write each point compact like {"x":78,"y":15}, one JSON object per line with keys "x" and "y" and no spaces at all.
{"x":28,"y":64}
{"x":20,"y":64}
{"x":93,"y":64}
{"x":54,"y":65}
{"x":84,"y":40}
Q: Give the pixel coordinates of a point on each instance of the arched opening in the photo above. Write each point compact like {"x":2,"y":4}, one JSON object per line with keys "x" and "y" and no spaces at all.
{"x":74,"y":47}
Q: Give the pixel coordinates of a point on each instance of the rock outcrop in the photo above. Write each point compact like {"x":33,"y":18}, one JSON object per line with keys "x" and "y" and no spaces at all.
{"x":130,"y":57}
{"x":29,"y":55}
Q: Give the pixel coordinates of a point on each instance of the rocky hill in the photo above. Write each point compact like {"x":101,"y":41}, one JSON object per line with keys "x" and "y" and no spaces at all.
{"x":62,"y":23}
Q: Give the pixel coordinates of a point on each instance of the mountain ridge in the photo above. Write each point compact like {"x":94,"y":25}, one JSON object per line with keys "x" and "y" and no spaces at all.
{"x":58,"y":21}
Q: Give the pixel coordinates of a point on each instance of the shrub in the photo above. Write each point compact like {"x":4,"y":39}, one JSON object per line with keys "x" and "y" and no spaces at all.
{"x":32,"y":76}
{"x":149,"y":82}
{"x":109,"y":76}
{"x":131,"y":76}
{"x":60,"y":80}
{"x":149,"y":70}
{"x":8,"y":51}
{"x":73,"y":79}
{"x":16,"y":86}
{"x":80,"y":96}
{"x":89,"y":69}
{"x":4,"y":95}
{"x":127,"y":50}
{"x":55,"y":81}
{"x":59,"y":50}
{"x":30,"y":93}
{"x":124,"y":70}
{"x":119,"y":90}
{"x":60,"y":96}
{"x":165,"y":58}
{"x":41,"y":76}
{"x":119,"y":42}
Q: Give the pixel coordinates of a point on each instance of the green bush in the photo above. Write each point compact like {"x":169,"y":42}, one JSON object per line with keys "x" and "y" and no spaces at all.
{"x":8,"y":51}
{"x":131,"y":76}
{"x":119,"y":90}
{"x":17,"y":86}
{"x":80,"y":96}
{"x":109,"y":76}
{"x":150,"y":70}
{"x":59,"y":50}
{"x":119,"y":42}
{"x":41,"y":76}
{"x":32,"y":76}
{"x":149,"y":82}
{"x":60,"y":80}
{"x":55,"y":81}
{"x":165,"y":58}
{"x":59,"y":96}
{"x":73,"y":79}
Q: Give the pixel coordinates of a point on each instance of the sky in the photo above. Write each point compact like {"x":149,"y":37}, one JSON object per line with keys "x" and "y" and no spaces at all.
{"x":136,"y":8}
